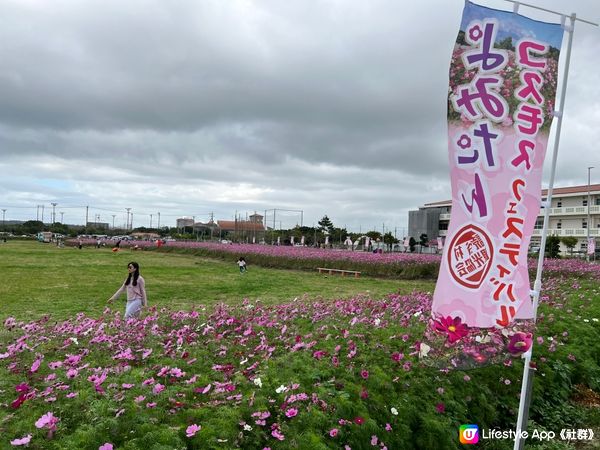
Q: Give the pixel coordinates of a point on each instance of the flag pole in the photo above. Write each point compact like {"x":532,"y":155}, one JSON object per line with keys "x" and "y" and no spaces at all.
{"x":527,"y":383}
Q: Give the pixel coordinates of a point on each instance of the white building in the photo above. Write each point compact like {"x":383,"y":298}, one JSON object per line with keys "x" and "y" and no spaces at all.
{"x":568,"y":216}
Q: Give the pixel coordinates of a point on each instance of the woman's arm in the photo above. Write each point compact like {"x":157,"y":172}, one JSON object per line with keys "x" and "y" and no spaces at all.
{"x":117,"y":294}
{"x":142,"y":286}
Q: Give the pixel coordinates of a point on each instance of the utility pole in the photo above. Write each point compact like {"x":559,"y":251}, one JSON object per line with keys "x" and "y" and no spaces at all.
{"x":54,"y":212}
{"x":87,"y":208}
{"x":3,"y":213}
{"x":127,"y":224}
{"x":150,"y":220}
{"x":62,"y":216}
{"x":158,"y":226}
{"x":589,"y":222}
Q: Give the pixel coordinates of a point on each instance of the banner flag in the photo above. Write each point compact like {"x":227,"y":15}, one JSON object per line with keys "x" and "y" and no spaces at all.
{"x":503,"y":77}
{"x":591,"y":247}
{"x":440,"y":243}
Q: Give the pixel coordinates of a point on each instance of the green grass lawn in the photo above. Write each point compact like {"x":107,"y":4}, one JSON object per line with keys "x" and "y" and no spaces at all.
{"x":39,"y":279}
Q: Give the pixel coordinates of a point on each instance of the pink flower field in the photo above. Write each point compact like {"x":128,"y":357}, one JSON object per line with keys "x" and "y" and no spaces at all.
{"x":347,"y":373}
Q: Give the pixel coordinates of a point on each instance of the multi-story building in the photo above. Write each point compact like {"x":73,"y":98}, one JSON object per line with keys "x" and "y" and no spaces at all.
{"x":574,"y":211}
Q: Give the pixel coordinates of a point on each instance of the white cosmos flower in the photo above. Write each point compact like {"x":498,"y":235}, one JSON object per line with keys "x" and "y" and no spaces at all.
{"x":423,"y":350}
{"x":281,"y":389}
{"x":394,"y":410}
{"x":258,"y":382}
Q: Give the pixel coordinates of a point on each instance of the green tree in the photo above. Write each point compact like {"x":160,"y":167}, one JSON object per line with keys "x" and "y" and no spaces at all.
{"x":389,"y":238}
{"x":325,"y":224}
{"x":374,"y":235}
{"x":570,"y":242}
{"x":424,"y":240}
{"x":506,"y":44}
{"x":552,"y":247}
{"x":32,"y":226}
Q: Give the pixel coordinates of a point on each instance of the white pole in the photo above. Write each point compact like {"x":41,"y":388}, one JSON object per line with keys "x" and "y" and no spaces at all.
{"x":526,"y":384}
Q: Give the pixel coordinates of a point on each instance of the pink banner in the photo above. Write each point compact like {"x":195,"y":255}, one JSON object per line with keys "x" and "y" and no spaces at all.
{"x":591,"y":246}
{"x":502,"y":90}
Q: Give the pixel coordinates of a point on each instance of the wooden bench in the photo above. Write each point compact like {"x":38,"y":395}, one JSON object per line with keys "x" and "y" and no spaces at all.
{"x":340,"y":271}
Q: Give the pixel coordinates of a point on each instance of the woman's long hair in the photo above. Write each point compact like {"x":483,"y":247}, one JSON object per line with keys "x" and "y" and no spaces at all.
{"x":136,"y":274}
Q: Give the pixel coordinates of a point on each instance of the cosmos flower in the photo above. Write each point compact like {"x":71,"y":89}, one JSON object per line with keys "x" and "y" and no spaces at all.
{"x":454,"y":328}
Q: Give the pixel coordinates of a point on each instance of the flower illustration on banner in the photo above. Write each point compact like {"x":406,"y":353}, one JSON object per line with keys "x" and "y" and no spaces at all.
{"x":519,"y":343}
{"x":475,"y":33}
{"x":464,"y":141}
{"x":454,"y":328}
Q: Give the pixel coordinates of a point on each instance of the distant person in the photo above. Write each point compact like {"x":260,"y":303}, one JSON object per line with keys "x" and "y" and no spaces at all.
{"x":242,"y":264}
{"x":136,"y":291}
{"x":79,"y":244}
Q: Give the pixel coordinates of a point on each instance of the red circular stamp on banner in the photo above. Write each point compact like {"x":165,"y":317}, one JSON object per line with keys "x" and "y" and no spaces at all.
{"x":470,"y":256}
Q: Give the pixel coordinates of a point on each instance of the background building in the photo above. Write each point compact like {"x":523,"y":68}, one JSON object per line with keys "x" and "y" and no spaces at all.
{"x":570,"y":215}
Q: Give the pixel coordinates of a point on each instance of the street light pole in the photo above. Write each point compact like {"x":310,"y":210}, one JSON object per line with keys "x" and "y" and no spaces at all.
{"x":588,"y":214}
{"x":3,"y":214}
{"x":54,"y":212}
{"x":62,"y":215}
{"x":127,"y":225}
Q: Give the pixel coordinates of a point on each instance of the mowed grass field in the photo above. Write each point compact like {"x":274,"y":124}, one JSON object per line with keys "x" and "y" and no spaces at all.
{"x":39,"y":279}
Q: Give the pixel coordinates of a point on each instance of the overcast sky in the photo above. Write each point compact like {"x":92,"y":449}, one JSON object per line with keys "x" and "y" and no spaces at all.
{"x":188,"y":108}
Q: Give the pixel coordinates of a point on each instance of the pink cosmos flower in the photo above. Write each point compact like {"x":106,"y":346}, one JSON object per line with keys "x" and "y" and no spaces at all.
{"x":519,"y":343}
{"x":440,"y":407}
{"x":333,"y":432}
{"x":359,"y":420}
{"x":23,"y":441}
{"x":364,"y":374}
{"x":106,"y":446}
{"x":277,"y":435}
{"x":397,"y":356}
{"x":158,"y":388}
{"x":192,"y":430}
{"x":36,"y":365}
{"x":291,"y":412}
{"x":48,"y":420}
{"x":22,"y":388}
{"x":454,"y":328}
{"x":374,"y":440}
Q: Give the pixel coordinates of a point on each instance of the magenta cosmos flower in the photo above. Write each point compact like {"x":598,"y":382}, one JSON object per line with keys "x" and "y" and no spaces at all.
{"x":192,"y":430}
{"x":454,"y":328}
{"x":23,"y":441}
{"x":519,"y":343}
